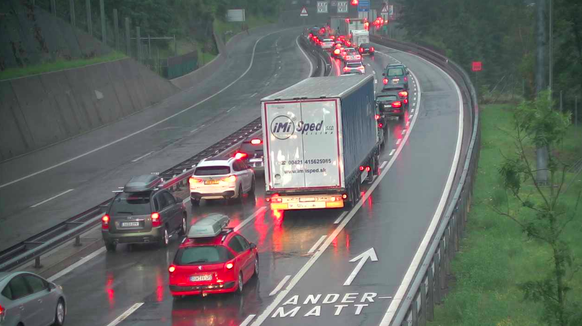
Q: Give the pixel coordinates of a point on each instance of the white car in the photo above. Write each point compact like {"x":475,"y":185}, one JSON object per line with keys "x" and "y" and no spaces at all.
{"x":327,"y":44}
{"x":227,"y":178}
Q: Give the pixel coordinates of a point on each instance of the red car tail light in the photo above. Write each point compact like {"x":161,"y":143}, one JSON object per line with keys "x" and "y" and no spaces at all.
{"x":405,"y":101}
{"x":368,"y":169}
{"x":346,"y":69}
{"x":256,"y":141}
{"x":105,"y":222}
{"x":397,"y":104}
{"x":385,"y":81}
{"x":403,"y":94}
{"x":361,"y":50}
{"x":405,"y":78}
{"x":336,"y":51}
{"x":372,"y":49}
{"x":229,"y":266}
{"x":240,"y":155}
{"x":172,"y":268}
{"x":377,"y":117}
{"x":230,"y":178}
{"x":362,"y":168}
{"x":194,"y":180}
{"x":156,"y":221}
{"x":380,"y":125}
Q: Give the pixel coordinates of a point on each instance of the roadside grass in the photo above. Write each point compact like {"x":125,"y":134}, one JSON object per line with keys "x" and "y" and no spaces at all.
{"x":495,"y":255}
{"x":58,"y":65}
{"x":204,"y":58}
{"x":221,"y":27}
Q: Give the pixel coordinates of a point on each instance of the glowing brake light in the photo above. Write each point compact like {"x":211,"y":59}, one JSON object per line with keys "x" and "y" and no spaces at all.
{"x":346,"y":69}
{"x":336,"y":51}
{"x":230,"y":178}
{"x":105,"y":222}
{"x":385,"y":81}
{"x":405,"y":78}
{"x":229,"y":265}
{"x":372,"y":49}
{"x":405,"y":101}
{"x":362,"y":168}
{"x":172,"y":268}
{"x":256,"y":141}
{"x":377,"y":117}
{"x":361,"y":50}
{"x":192,"y":180}
{"x":397,"y":104}
{"x":403,"y":94}
{"x":156,"y":221}
{"x":276,"y":199}
{"x":368,"y":169}
{"x":355,"y":2}
{"x":240,"y":155}
{"x":380,"y":125}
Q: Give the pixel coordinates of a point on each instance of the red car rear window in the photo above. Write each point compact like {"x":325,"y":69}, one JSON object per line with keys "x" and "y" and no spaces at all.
{"x":202,"y":255}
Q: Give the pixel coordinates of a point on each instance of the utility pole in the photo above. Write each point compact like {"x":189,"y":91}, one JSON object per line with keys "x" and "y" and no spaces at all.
{"x":541,"y":152}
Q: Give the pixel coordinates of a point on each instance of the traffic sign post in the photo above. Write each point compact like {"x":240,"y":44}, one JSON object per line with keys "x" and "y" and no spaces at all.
{"x":322,"y":7}
{"x":342,"y":7}
{"x":303,"y":12}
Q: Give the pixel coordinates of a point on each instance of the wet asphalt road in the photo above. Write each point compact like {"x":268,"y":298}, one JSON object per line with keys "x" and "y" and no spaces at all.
{"x":392,"y":218}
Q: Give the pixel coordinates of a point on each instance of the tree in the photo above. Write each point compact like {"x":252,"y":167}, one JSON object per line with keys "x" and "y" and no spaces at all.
{"x":540,"y":213}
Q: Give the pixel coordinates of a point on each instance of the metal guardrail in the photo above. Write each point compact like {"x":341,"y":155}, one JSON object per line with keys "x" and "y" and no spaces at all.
{"x":322,"y":62}
{"x":427,"y":287}
{"x":74,"y":227}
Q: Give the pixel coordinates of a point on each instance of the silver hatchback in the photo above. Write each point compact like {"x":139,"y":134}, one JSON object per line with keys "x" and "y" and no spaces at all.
{"x":28,"y":299}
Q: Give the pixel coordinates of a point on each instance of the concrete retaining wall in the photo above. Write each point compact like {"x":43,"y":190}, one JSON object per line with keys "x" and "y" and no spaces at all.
{"x":40,"y":110}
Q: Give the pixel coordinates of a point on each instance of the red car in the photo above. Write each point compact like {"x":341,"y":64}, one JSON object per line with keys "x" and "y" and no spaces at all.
{"x":213,"y":259}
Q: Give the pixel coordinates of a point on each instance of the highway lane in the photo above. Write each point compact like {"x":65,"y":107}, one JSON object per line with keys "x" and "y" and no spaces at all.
{"x":107,"y":286}
{"x":24,"y":209}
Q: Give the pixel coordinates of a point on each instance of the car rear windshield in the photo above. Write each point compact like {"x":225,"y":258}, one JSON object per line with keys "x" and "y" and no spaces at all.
{"x":202,"y":255}
{"x":388,"y":98}
{"x":212,"y":170}
{"x":395,"y":72}
{"x":328,"y":40}
{"x":365,"y":45}
{"x":131,"y":203}
{"x":353,"y":64}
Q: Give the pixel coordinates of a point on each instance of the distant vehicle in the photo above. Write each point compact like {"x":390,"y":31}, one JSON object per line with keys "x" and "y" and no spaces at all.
{"x":321,"y":141}
{"x":392,"y":102}
{"x":359,"y":37}
{"x":221,"y":178}
{"x":366,"y":48}
{"x":337,"y":52}
{"x":354,"y":67}
{"x":213,"y":259}
{"x":394,"y":75}
{"x":352,"y":55}
{"x":251,"y":152}
{"x":143,"y":212}
{"x":327,"y":44}
{"x":28,"y":299}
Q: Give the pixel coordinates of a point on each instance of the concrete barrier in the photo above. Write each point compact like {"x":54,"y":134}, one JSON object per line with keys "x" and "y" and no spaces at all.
{"x":40,"y":110}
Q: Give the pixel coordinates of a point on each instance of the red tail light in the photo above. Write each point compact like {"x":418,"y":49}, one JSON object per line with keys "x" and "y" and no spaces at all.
{"x":405,"y":78}
{"x":403,"y":94}
{"x":156,"y":221}
{"x":358,"y":57}
{"x":380,"y":125}
{"x":385,"y":81}
{"x":336,"y":51}
{"x":405,"y":101}
{"x":397,"y":104}
{"x":172,"y":268}
{"x":372,"y":49}
{"x":240,"y":155}
{"x":346,"y":69}
{"x":361,"y":50}
{"x":368,"y":169}
{"x":362,"y":168}
{"x":256,"y":141}
{"x":230,"y":178}
{"x":354,"y":3}
{"x":377,"y":117}
{"x":229,"y":266}
{"x":194,"y":180}
{"x":105,"y":222}
{"x":345,"y":196}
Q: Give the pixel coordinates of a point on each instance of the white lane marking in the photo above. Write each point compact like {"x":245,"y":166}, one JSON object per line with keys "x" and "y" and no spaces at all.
{"x":306,"y":57}
{"x":312,"y":250}
{"x":77,"y":264}
{"x":197,"y":128}
{"x":407,"y":123}
{"x":399,"y":296}
{"x":367,"y":64}
{"x":411,"y":116}
{"x":375,"y":81}
{"x":398,"y":141}
{"x":250,"y":218}
{"x":247,"y":320}
{"x":383,"y":165}
{"x":361,"y":259}
{"x":53,"y":197}
{"x":139,"y":158}
{"x":126,"y":314}
{"x":403,"y":131}
{"x":412,"y":111}
{"x":254,"y":94}
{"x":339,"y":219}
{"x":146,"y":128}
{"x":384,"y":297}
{"x":280,"y":285}
{"x":235,"y":106}
{"x":392,"y":152}
{"x":267,"y":312}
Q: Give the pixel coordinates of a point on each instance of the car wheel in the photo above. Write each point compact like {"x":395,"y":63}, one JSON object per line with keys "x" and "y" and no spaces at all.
{"x":252,"y":191}
{"x":241,"y":193}
{"x":240,"y":284}
{"x":60,"y":313}
{"x":184,"y":226}
{"x":110,"y":246}
{"x":165,"y":239}
{"x":195,"y":202}
{"x":256,"y":274}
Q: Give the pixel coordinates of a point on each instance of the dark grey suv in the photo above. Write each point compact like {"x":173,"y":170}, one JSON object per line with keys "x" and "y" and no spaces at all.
{"x":143,"y":213}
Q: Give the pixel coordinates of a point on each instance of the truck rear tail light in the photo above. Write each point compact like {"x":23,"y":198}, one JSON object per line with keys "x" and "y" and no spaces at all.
{"x":336,"y":51}
{"x":344,"y":196}
{"x":335,"y":198}
{"x":256,"y":141}
{"x":276,"y":199}
{"x":397,"y":104}
{"x":172,"y":268}
{"x":105,"y":222}
{"x":403,"y":94}
{"x":192,"y":180}
{"x":385,"y":81}
{"x":156,"y":221}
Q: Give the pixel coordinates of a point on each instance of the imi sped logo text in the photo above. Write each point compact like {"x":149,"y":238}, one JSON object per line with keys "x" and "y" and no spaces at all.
{"x":282,"y":127}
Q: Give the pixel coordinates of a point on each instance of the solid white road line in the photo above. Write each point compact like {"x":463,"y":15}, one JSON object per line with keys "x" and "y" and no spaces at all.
{"x":280,"y":285}
{"x":250,"y":218}
{"x":408,"y":277}
{"x":234,"y":106}
{"x":312,"y":250}
{"x":254,"y":94}
{"x":267,"y":312}
{"x":139,"y":158}
{"x":398,"y":141}
{"x":403,"y":131}
{"x":126,"y":314}
{"x":148,"y":127}
{"x":247,"y":320}
{"x":340,"y":218}
{"x":392,"y":152}
{"x":306,"y":57}
{"x":198,"y":128}
{"x":47,"y":200}
{"x":77,"y":264}
{"x":383,"y":165}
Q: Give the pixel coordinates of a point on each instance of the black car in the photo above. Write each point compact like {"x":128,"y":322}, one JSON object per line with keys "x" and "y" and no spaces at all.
{"x":143,"y":212}
{"x":395,"y":75}
{"x":366,"y":48}
{"x":392,"y":102}
{"x":251,"y":152}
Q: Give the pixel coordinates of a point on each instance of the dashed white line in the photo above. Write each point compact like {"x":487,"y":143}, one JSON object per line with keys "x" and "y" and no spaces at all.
{"x":197,"y":128}
{"x":139,"y":158}
{"x":247,"y":320}
{"x":75,"y":265}
{"x":398,"y":141}
{"x":254,"y":94}
{"x":312,"y":250}
{"x":407,"y":123}
{"x":340,"y":218}
{"x":384,"y":297}
{"x":126,"y":314}
{"x":403,"y":131}
{"x":235,"y":105}
{"x":412,"y":111}
{"x":47,"y":200}
{"x":383,"y":165}
{"x":280,"y":285}
{"x":392,"y":152}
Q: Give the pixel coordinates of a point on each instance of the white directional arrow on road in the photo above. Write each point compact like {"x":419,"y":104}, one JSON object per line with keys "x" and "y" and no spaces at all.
{"x":363,"y":258}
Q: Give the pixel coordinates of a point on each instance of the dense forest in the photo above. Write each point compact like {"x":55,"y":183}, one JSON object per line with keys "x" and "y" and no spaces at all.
{"x":501,"y":34}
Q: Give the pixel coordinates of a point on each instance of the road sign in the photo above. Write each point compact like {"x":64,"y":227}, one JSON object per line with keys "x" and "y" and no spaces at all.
{"x":342,"y":6}
{"x":476,"y":66}
{"x":385,"y":8}
{"x":322,"y":7}
{"x":303,"y":12}
{"x":391,"y":10}
{"x":364,"y":5}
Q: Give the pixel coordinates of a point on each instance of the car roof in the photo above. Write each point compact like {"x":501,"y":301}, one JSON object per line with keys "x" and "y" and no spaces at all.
{"x":395,"y":65}
{"x":218,"y":240}
{"x":213,"y":161}
{"x":387,"y":93}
